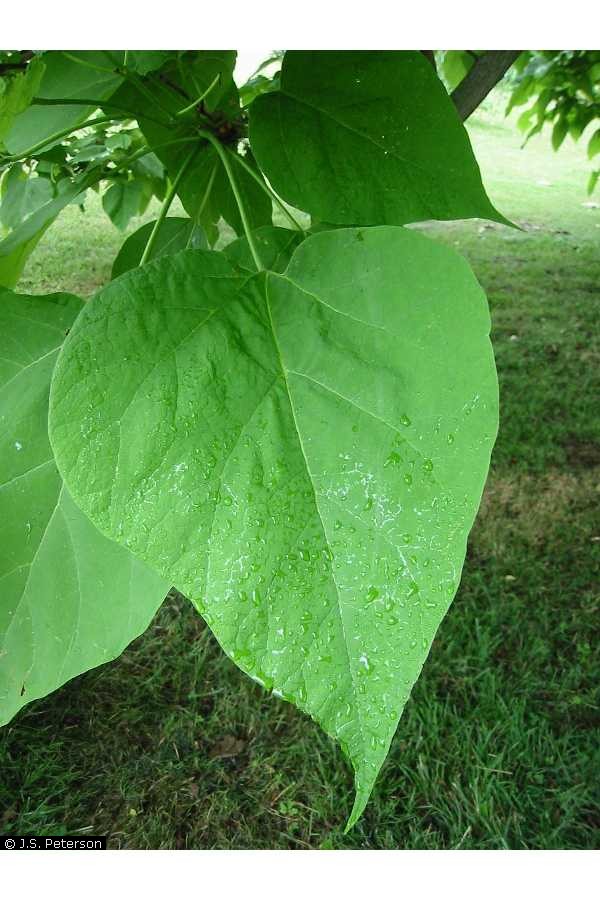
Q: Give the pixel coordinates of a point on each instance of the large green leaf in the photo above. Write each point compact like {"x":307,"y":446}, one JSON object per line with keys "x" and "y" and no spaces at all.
{"x":69,"y":598}
{"x":302,"y":454}
{"x":367,"y":138}
{"x":84,"y":74}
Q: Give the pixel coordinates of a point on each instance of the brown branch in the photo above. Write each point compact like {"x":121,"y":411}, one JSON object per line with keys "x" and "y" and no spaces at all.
{"x":480,"y":79}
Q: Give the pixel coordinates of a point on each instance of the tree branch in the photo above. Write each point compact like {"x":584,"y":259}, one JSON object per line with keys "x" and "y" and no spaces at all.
{"x":480,"y":79}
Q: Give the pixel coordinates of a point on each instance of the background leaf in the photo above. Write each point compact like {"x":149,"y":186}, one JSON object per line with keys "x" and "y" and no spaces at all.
{"x":145,"y":61}
{"x":275,"y":248}
{"x":122,"y":201}
{"x":70,"y":598}
{"x":175,"y":234}
{"x":91,"y":78}
{"x":16,"y":94}
{"x":13,"y":263}
{"x":21,"y":195}
{"x":41,"y":217}
{"x":204,"y":190}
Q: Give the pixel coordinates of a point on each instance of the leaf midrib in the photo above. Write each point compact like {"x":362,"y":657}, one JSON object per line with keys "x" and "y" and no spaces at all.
{"x":284,"y":373}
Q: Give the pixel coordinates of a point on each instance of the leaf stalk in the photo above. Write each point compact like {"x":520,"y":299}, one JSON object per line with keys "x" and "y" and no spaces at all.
{"x":224,"y":157}
{"x":170,"y":195}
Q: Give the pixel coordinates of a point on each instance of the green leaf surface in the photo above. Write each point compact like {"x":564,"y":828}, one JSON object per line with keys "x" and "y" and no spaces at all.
{"x":367,"y":138}
{"x":175,"y":234}
{"x":16,"y":94}
{"x":302,"y":454}
{"x":70,"y":599}
{"x":145,"y":61}
{"x":593,"y":146}
{"x":92,"y":77}
{"x":455,"y":65}
{"x":13,"y":263}
{"x":21,"y":195}
{"x":559,"y":132}
{"x":204,"y":190}
{"x":39,"y":218}
{"x":275,"y":247}
{"x":198,"y":70}
{"x":122,"y":201}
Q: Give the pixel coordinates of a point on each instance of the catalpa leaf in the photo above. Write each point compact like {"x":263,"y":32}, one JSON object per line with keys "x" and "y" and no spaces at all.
{"x":70,"y":599}
{"x":367,"y":138}
{"x":302,"y":454}
{"x":174,"y":234}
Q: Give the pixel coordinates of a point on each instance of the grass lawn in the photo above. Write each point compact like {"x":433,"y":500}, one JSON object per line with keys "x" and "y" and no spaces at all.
{"x":499,"y":746}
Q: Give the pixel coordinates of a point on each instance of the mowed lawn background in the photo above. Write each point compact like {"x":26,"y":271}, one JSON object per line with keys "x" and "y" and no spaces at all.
{"x":499,"y":746}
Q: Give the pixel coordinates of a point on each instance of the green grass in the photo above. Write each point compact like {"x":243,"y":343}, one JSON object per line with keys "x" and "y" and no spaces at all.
{"x":499,"y":746}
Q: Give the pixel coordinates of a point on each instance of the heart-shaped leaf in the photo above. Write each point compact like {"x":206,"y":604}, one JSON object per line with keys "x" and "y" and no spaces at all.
{"x":367,"y":138}
{"x":69,"y":598}
{"x":302,"y":454}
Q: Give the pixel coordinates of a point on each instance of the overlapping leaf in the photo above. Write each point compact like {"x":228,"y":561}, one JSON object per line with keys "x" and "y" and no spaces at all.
{"x":82,"y":75}
{"x":205,"y":190}
{"x":175,"y":234}
{"x":275,"y":247}
{"x":69,"y":598}
{"x":366,"y":138}
{"x":39,"y":218}
{"x":302,"y":454}
{"x":20,"y":195}
{"x":16,"y":93}
{"x":13,"y":263}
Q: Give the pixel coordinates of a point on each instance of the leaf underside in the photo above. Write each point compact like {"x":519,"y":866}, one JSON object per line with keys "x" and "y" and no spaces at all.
{"x":302,"y":454}
{"x":69,"y":598}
